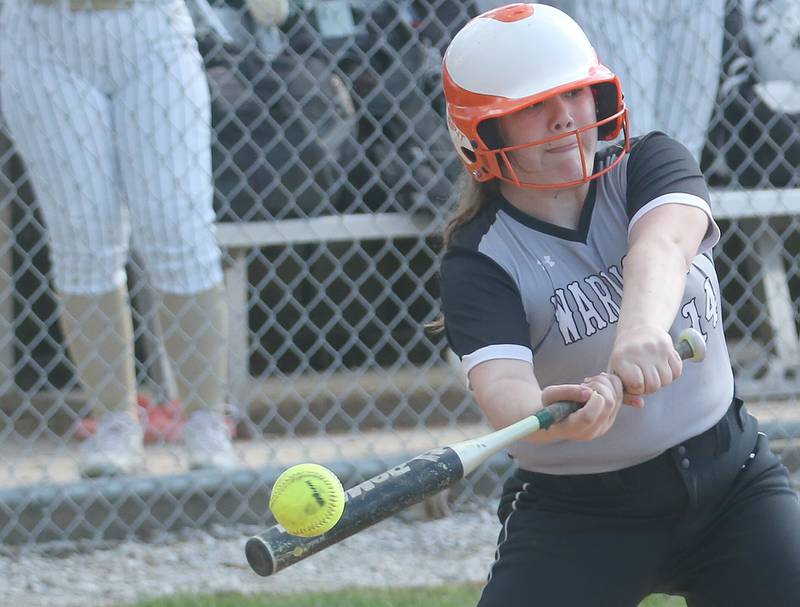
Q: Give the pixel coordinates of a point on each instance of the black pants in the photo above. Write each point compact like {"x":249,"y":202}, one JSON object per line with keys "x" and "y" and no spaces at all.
{"x":713,"y":519}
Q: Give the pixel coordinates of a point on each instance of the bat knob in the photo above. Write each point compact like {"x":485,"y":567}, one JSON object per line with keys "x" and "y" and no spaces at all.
{"x":691,"y":345}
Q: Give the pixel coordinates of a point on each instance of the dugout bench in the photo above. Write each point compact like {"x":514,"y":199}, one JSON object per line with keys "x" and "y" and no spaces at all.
{"x":236,"y":239}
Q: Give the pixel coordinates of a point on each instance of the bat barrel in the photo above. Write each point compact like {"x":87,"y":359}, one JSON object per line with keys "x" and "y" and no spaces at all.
{"x":367,"y":503}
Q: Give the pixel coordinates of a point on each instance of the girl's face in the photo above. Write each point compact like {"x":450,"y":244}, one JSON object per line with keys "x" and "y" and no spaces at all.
{"x":557,"y":161}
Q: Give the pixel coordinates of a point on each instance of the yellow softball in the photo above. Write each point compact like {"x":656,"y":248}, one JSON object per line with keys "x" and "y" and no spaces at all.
{"x":307,"y":500}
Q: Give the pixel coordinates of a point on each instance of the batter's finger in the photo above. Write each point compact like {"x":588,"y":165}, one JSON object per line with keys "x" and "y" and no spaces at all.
{"x":604,"y":390}
{"x":652,"y":380}
{"x":633,"y":400}
{"x":616,"y":383}
{"x":588,"y":414}
{"x":632,"y":378}
{"x":558,"y":392}
{"x":664,"y":373}
{"x":675,"y":364}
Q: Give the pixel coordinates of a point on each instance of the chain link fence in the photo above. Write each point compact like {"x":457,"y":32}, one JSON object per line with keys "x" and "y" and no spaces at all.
{"x":332,"y":173}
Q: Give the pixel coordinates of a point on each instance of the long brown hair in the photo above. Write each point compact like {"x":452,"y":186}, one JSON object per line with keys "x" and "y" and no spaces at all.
{"x":473,"y":197}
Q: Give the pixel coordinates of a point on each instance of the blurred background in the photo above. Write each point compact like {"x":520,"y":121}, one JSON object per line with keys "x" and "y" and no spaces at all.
{"x":332,"y":174}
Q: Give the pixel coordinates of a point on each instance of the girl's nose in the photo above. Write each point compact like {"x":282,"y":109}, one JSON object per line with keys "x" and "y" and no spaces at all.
{"x":560,"y":116}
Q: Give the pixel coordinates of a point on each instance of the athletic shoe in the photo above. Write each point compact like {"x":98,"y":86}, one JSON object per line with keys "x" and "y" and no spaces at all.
{"x":115,"y":449}
{"x":208,"y":443}
{"x":162,"y":423}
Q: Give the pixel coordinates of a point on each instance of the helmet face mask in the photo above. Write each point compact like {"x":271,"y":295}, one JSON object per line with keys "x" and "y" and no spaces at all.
{"x":490,"y":71}
{"x":493,"y":152}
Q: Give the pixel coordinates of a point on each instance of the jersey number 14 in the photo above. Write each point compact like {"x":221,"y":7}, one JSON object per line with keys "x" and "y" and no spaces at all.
{"x":710,"y":313}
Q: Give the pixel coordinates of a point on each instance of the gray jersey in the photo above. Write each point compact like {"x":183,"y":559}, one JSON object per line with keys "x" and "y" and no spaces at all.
{"x":520,"y":288}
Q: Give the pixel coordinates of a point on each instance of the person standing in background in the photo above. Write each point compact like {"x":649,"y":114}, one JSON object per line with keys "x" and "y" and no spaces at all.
{"x":568,"y":273}
{"x":667,"y":52}
{"x":108,"y":104}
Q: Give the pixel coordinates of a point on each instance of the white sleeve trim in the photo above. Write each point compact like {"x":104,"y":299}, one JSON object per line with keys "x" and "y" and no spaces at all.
{"x":496,"y":351}
{"x":712,"y":233}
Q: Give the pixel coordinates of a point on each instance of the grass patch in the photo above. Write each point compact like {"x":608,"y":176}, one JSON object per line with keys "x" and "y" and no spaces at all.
{"x":442,"y":596}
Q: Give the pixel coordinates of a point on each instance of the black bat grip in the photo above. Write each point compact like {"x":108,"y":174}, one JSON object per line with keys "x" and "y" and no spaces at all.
{"x":552,"y":414}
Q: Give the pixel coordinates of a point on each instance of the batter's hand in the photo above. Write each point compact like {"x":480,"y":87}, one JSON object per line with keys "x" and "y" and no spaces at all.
{"x":644,"y":358}
{"x":602,"y":395}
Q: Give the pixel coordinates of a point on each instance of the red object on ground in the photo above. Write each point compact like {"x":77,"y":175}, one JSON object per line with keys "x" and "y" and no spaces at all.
{"x":161,"y":422}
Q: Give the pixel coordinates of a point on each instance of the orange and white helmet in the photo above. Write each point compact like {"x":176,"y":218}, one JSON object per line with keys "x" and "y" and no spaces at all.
{"x":510,"y":58}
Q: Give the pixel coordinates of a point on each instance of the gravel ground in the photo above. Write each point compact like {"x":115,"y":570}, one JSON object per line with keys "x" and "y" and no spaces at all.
{"x":396,"y":552}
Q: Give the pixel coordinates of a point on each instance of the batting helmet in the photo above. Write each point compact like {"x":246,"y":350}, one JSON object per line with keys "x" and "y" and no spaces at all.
{"x":510,"y":58}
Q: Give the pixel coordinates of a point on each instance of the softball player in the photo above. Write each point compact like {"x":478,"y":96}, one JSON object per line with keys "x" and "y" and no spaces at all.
{"x":661,"y":482}
{"x":109,"y":106}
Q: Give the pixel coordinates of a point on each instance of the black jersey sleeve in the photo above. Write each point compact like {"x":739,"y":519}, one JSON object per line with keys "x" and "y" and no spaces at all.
{"x":659,"y":165}
{"x":481,"y":303}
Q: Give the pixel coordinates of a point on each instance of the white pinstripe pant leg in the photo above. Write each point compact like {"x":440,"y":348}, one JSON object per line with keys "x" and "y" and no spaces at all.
{"x":62,"y":126}
{"x":691,"y":65}
{"x":163,"y":119}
